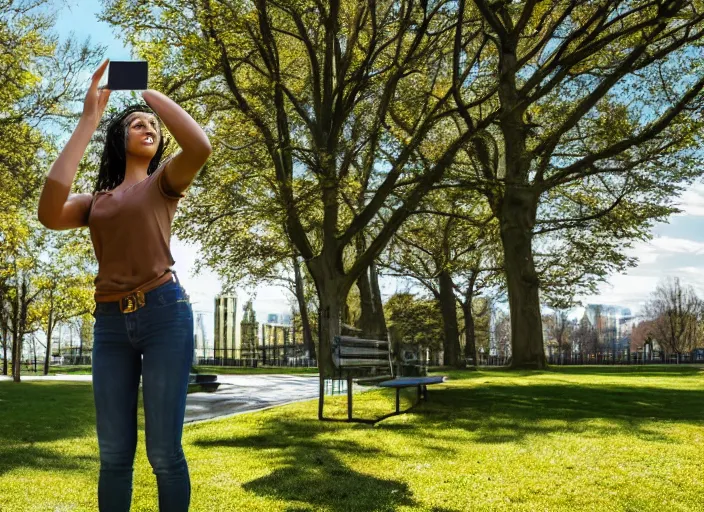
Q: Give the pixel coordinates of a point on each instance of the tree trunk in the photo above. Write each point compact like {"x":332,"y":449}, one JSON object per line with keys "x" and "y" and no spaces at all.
{"x":34,"y":353}
{"x":330,"y":309}
{"x":470,"y":347}
{"x":4,"y":330}
{"x":15,"y":336}
{"x":366,"y":319}
{"x":16,"y":355}
{"x":448,"y":309}
{"x":19,"y":316}
{"x":517,"y":219}
{"x":308,"y":344}
{"x":377,"y":302}
{"x":331,"y":300}
{"x":61,"y":331}
{"x":49,"y":332}
{"x":5,"y":334}
{"x":371,"y":321}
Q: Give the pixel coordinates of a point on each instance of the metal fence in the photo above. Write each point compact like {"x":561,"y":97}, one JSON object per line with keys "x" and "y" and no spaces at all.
{"x":487,"y":360}
{"x":635,"y":358}
{"x":605,"y":358}
{"x":254,"y":363}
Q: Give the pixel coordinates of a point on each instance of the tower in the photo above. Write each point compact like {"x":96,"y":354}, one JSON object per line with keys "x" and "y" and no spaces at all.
{"x":249,"y":327}
{"x":227,"y":340}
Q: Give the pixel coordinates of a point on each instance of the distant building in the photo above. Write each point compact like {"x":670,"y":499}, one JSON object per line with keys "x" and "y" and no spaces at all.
{"x":227,"y":336}
{"x":613,"y":326}
{"x":278,"y":319}
{"x":277,"y":340}
{"x":203,"y":347}
{"x":249,"y":329}
{"x":279,"y":344}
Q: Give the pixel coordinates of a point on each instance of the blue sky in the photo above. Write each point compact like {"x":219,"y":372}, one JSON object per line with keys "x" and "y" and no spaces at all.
{"x":79,"y":17}
{"x":676,"y":250}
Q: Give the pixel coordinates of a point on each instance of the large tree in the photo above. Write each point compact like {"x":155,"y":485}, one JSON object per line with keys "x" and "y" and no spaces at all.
{"x":415,"y":322}
{"x":66,"y":276}
{"x":598,"y":119}
{"x":19,"y":279}
{"x":322,"y":89}
{"x":448,"y":247}
{"x":585,"y":108}
{"x":38,"y":81}
{"x":676,"y":315}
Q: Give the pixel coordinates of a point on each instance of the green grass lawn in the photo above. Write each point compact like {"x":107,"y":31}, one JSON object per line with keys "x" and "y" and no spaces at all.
{"x":573,"y":439}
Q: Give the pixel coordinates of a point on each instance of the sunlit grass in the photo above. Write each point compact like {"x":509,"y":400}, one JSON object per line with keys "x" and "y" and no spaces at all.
{"x":570,"y":439}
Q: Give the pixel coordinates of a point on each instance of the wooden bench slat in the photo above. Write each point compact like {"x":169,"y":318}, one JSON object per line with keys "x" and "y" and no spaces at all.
{"x":359,"y":342}
{"x":361,"y":351}
{"x":360,"y":362}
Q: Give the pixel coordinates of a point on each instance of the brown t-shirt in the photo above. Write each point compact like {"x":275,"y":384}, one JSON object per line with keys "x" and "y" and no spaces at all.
{"x":131,"y":234}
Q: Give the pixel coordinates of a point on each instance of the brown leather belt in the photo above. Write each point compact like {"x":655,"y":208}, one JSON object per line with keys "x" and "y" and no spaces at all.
{"x":136,"y":300}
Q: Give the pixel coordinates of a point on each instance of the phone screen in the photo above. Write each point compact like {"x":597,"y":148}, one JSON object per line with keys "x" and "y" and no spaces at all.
{"x":128,"y":75}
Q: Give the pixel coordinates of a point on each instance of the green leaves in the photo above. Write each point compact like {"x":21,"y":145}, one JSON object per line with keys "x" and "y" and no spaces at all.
{"x":415,"y":321}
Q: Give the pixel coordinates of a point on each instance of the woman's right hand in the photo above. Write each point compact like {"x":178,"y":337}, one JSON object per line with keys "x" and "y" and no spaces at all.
{"x":97,"y":98}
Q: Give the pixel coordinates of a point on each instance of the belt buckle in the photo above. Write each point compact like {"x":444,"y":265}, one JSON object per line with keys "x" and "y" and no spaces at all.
{"x":132,"y":302}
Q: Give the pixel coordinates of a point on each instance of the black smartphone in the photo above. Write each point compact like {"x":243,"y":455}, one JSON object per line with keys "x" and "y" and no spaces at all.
{"x":127,"y":75}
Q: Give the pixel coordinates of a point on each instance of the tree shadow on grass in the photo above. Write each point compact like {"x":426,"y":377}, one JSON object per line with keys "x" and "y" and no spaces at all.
{"x":498,"y":413}
{"x":35,"y":458}
{"x":42,"y":412}
{"x":312,"y":470}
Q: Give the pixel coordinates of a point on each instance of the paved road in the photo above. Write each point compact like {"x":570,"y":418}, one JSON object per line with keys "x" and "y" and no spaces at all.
{"x":244,"y":393}
{"x":238,"y":393}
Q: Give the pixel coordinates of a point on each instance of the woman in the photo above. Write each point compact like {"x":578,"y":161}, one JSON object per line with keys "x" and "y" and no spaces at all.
{"x":143,"y":319}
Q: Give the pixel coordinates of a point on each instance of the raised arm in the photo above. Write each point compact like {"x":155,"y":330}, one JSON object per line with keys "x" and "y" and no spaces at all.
{"x":195,"y":146}
{"x":57,"y":210}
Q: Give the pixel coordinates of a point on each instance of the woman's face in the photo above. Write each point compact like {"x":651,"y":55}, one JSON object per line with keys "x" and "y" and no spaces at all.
{"x":142,"y":134}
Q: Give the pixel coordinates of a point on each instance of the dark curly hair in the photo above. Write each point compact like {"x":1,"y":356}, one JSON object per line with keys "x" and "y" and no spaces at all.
{"x":114,"y":158}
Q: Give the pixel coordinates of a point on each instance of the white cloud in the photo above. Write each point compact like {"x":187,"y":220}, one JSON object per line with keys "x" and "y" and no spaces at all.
{"x":692,"y":201}
{"x":666,"y":244}
{"x":644,"y":251}
{"x":630,"y":291}
{"x":658,"y":259}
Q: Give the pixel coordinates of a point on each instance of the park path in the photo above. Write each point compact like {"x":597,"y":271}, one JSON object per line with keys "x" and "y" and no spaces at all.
{"x":247,"y":393}
{"x":237,"y":394}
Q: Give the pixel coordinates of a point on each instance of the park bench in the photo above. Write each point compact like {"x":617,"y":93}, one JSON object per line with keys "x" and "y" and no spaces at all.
{"x":368,"y":362}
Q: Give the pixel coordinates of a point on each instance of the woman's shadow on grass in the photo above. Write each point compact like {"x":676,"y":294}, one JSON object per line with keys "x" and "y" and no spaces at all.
{"x":313,"y":472}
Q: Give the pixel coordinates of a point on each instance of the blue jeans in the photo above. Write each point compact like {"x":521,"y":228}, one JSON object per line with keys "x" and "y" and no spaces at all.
{"x":156,"y":343}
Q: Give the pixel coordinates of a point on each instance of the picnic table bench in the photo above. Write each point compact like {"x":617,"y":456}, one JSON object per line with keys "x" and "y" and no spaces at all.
{"x":368,"y":362}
